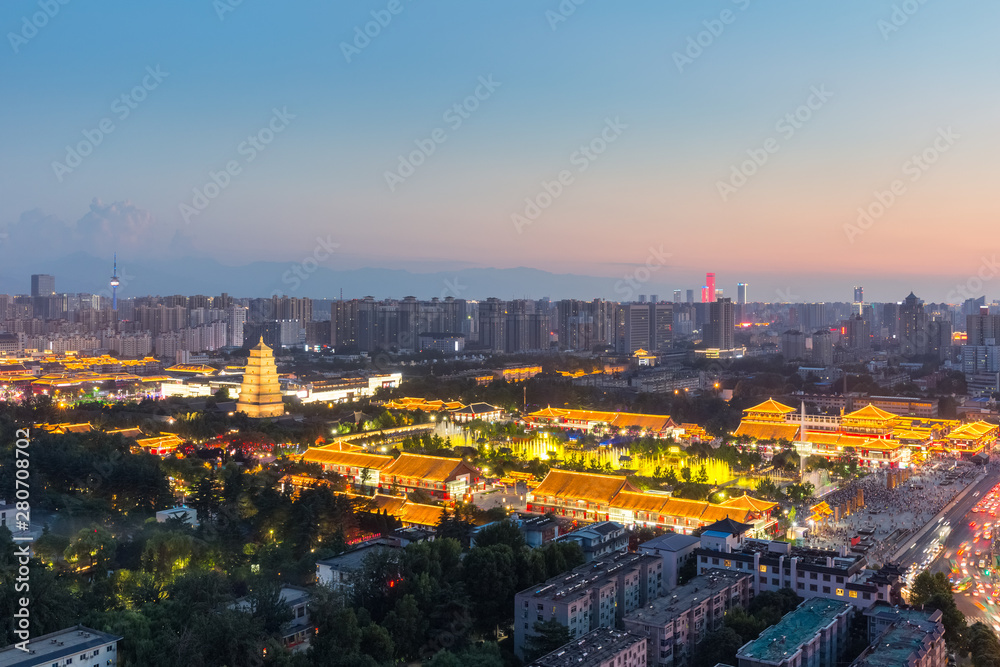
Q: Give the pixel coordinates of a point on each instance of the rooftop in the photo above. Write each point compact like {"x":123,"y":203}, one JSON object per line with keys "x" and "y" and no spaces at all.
{"x":661,"y":610}
{"x":793,"y":630}
{"x":590,"y":650}
{"x":898,"y":643}
{"x":580,"y":579}
{"x":353,"y":559}
{"x":670,"y":542}
{"x":55,"y":646}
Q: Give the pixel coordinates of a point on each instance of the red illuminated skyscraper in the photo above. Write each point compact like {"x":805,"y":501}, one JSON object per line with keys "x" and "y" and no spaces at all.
{"x":708,"y":294}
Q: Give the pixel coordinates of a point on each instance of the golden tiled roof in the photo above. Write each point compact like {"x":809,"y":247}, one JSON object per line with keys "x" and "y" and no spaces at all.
{"x":748,"y":503}
{"x":771,"y":431}
{"x":68,"y":428}
{"x":973,"y":431}
{"x":430,"y":468}
{"x":416,"y":514}
{"x":133,"y":432}
{"x":636,"y":501}
{"x":771,"y":406}
{"x":160,"y":441}
{"x":336,"y":457}
{"x":586,"y":486}
{"x":870,"y":412}
{"x":622,"y":420}
{"x":715,"y":513}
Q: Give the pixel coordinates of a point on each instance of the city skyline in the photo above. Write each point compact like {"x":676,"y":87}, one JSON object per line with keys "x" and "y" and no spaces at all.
{"x":672,"y":112}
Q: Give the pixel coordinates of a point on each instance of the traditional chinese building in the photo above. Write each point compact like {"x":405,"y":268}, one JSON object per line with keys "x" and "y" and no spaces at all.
{"x":588,"y":420}
{"x":260,"y":392}
{"x":593,"y":497}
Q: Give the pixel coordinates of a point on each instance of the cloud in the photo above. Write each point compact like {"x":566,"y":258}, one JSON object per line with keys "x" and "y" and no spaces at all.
{"x":106,"y":228}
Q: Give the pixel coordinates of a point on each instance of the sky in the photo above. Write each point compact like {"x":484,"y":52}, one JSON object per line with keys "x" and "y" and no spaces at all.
{"x":800,"y":147}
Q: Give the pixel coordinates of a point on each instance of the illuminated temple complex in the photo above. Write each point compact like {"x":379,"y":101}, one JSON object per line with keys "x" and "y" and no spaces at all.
{"x":593,"y":497}
{"x":876,"y":437}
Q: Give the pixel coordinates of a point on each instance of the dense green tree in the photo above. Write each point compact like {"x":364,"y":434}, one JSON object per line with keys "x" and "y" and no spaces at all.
{"x":717,"y":647}
{"x":550,"y":635}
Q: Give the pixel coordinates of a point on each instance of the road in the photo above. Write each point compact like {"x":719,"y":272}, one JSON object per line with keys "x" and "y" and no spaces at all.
{"x":961,"y":534}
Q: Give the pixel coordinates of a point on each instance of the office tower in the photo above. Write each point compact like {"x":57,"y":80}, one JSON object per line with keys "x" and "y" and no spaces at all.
{"x":633,"y":327}
{"x":939,"y":336}
{"x":856,"y":333}
{"x":654,"y":298}
{"x":859,"y":295}
{"x":721,"y":326}
{"x":718,"y":293}
{"x":705,"y":294}
{"x":677,"y":296}
{"x":690,"y":296}
{"x":709,"y":287}
{"x":661,"y":318}
{"x":741,"y":293}
{"x":642,"y":298}
{"x":42,"y":284}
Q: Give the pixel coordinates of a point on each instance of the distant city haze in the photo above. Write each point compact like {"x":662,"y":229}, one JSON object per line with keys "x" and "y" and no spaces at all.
{"x":502,"y":135}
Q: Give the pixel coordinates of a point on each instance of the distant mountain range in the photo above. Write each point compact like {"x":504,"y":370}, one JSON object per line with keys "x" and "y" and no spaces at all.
{"x":81,"y":272}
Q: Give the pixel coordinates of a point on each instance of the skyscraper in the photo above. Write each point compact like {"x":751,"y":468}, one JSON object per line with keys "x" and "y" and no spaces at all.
{"x":42,"y":284}
{"x":690,"y":296}
{"x":720,"y":330}
{"x":677,"y":296}
{"x":709,"y":288}
{"x":741,"y":293}
{"x":859,"y":294}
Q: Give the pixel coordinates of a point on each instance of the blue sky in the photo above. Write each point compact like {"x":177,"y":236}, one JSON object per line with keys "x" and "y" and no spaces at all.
{"x":893,"y":88}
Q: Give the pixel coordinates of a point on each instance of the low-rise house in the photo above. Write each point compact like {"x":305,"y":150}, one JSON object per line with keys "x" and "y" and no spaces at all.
{"x":295,"y":633}
{"x":78,"y":645}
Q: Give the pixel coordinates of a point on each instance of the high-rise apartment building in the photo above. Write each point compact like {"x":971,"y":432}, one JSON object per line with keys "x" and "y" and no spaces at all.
{"x":720,"y":329}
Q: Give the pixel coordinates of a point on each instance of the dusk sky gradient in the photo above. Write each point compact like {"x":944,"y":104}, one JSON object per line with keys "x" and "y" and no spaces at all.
{"x":655,"y":186}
